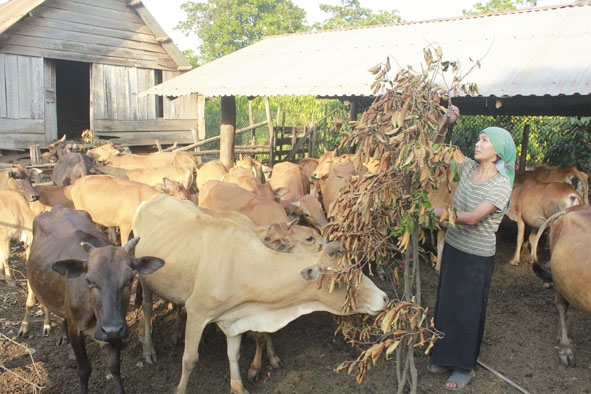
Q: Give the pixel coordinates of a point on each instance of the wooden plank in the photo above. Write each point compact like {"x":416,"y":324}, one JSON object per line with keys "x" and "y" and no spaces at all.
{"x":110,"y":91}
{"x":107,"y":126}
{"x":118,"y":13}
{"x":153,"y":63}
{"x":11,"y":67}
{"x":133,"y":92}
{"x":38,"y":88}
{"x":137,"y":138}
{"x":3,"y":99}
{"x":99,"y":101}
{"x":21,"y":141}
{"x":24,"y":87}
{"x":21,"y":126}
{"x":50,"y":107}
{"x":122,"y":86}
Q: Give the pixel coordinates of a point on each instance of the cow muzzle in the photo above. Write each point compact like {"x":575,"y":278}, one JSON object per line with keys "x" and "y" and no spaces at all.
{"x":111,"y":333}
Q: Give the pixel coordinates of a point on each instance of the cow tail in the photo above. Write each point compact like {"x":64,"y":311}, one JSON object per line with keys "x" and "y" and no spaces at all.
{"x":547,"y":223}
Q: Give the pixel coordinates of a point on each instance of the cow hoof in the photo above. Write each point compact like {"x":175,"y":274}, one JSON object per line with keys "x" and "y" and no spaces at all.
{"x":253,"y":375}
{"x":275,"y":362}
{"x":567,"y":356}
{"x":63,"y":341}
{"x":23,"y":331}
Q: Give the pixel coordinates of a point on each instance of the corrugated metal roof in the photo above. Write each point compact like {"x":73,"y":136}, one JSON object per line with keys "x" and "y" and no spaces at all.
{"x":539,"y":51}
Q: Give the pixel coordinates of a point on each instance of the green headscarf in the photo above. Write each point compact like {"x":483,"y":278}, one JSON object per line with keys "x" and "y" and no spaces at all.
{"x":505,"y":147}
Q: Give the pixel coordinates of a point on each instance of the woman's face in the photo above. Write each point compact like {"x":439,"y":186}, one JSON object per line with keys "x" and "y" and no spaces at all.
{"x":484,"y":150}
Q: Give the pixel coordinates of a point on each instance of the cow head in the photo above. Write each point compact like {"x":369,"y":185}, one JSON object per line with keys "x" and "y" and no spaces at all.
{"x":109,"y":274}
{"x":19,"y":180}
{"x":103,"y":153}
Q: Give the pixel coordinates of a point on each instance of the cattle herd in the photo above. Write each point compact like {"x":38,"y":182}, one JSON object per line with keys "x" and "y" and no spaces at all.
{"x":202,"y":236}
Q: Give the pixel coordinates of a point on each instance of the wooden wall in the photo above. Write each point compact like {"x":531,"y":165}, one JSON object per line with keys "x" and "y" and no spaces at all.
{"x":90,"y":31}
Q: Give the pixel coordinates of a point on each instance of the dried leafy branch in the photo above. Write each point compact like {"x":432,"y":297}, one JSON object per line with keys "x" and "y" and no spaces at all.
{"x":382,"y":213}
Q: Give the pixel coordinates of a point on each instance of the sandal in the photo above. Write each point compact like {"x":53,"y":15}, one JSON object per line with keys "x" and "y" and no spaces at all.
{"x":459,"y":378}
{"x":436,"y":368}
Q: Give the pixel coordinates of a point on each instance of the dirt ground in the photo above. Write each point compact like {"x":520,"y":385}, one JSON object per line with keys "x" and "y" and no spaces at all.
{"x":519,"y":343}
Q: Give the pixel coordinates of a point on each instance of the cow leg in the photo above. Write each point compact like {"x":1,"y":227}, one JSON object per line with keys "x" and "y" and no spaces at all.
{"x":149,"y":351}
{"x":236,"y":385}
{"x":257,"y":363}
{"x":5,"y":271}
{"x":271,"y":355}
{"x":193,"y":331}
{"x":23,"y":331}
{"x":520,"y":234}
{"x":79,"y":348}
{"x":177,"y":332}
{"x":566,"y":349}
{"x":114,"y":351}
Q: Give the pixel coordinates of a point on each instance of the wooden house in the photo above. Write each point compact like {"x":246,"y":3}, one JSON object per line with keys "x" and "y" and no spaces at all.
{"x":72,"y":65}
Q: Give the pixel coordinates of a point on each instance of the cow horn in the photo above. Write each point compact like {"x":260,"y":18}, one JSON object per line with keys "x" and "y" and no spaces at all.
{"x":63,"y":139}
{"x":130,"y":245}
{"x":87,"y":246}
{"x":295,"y":203}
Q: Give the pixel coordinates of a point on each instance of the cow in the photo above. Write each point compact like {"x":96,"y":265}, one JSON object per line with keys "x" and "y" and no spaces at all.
{"x":533,"y":201}
{"x":571,"y":175}
{"x":246,"y":179}
{"x":283,"y":237}
{"x":16,"y":225}
{"x":50,"y":195}
{"x":570,"y":247}
{"x":231,"y":197}
{"x":255,"y":167}
{"x":297,"y":201}
{"x":242,"y":287}
{"x":70,"y":166}
{"x":77,"y":274}
{"x":308,"y":165}
{"x":108,"y":154}
{"x":18,"y":178}
{"x":154,"y":176}
{"x":339,"y":174}
{"x":112,"y":201}
{"x":212,"y":170}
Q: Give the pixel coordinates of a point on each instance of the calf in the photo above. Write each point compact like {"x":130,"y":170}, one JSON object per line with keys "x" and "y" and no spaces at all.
{"x":297,"y":201}
{"x":570,"y":246}
{"x":16,"y":224}
{"x":532,"y":202}
{"x":18,"y":178}
{"x":212,"y":170}
{"x":243,"y":287}
{"x":76,"y":274}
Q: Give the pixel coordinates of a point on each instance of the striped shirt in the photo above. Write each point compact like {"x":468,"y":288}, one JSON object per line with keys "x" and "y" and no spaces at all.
{"x":478,"y":239}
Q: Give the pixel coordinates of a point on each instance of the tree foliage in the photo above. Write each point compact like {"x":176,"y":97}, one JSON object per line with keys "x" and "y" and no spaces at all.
{"x":380,"y":216}
{"x":499,"y":6}
{"x":224,"y":26}
{"x":350,"y":14}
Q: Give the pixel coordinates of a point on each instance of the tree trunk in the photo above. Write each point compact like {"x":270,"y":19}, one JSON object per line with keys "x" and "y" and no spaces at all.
{"x":228,"y":131}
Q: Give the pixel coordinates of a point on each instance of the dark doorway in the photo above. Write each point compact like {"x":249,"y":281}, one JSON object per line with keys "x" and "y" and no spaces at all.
{"x":72,"y":98}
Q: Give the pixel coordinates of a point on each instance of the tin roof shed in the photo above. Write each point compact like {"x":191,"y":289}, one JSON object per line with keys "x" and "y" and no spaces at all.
{"x":533,"y":61}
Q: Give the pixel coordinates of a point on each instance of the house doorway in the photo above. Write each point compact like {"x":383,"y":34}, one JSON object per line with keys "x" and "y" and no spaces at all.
{"x":72,"y":98}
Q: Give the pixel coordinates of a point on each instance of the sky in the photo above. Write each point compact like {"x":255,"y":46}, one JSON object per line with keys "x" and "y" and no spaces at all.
{"x":168,"y":12}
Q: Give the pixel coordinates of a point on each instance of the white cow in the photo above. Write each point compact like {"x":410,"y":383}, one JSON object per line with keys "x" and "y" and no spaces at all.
{"x":242,"y":286}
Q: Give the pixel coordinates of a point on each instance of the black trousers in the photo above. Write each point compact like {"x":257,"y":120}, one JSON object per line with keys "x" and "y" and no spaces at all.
{"x":460,"y":309}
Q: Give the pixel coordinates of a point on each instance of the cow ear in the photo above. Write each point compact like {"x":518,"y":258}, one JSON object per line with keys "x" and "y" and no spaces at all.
{"x":294,"y":221}
{"x":69,"y":268}
{"x":280,"y":192}
{"x":167,"y":183}
{"x":147,"y":264}
{"x":311,"y":273}
{"x":332,"y":248}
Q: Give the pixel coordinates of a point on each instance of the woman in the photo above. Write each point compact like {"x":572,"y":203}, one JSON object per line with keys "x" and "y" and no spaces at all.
{"x":480,"y":201}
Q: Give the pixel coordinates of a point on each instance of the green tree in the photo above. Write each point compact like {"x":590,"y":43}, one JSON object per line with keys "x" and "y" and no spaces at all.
{"x":350,"y":14}
{"x":499,"y":6}
{"x":224,"y":26}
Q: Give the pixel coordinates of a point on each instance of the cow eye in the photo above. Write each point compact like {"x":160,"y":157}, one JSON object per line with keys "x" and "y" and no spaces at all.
{"x":310,"y":239}
{"x":267,"y":239}
{"x":90,"y":283}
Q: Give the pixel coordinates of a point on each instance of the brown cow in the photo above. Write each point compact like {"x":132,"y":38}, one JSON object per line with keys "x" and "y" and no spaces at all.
{"x":18,"y":178}
{"x":112,"y":201}
{"x":570,"y":247}
{"x":340,"y":172}
{"x":219,"y":285}
{"x":212,"y":170}
{"x":297,"y":200}
{"x":70,"y":166}
{"x":51,"y":195}
{"x":77,"y":274}
{"x":246,"y":179}
{"x":154,"y":176}
{"x":110,"y":155}
{"x":532,"y":202}
{"x":571,"y":175}
{"x":16,"y":224}
{"x":231,"y":197}
{"x":255,"y":167}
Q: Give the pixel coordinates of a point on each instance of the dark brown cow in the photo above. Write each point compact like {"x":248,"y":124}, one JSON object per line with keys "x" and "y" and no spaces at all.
{"x":570,"y":246}
{"x":70,"y":166}
{"x":77,"y":274}
{"x":18,"y":179}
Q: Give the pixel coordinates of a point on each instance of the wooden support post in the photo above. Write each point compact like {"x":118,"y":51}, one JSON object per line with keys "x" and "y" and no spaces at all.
{"x":524,"y":148}
{"x":35,"y":154}
{"x":228,"y":131}
{"x":271,"y":133}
